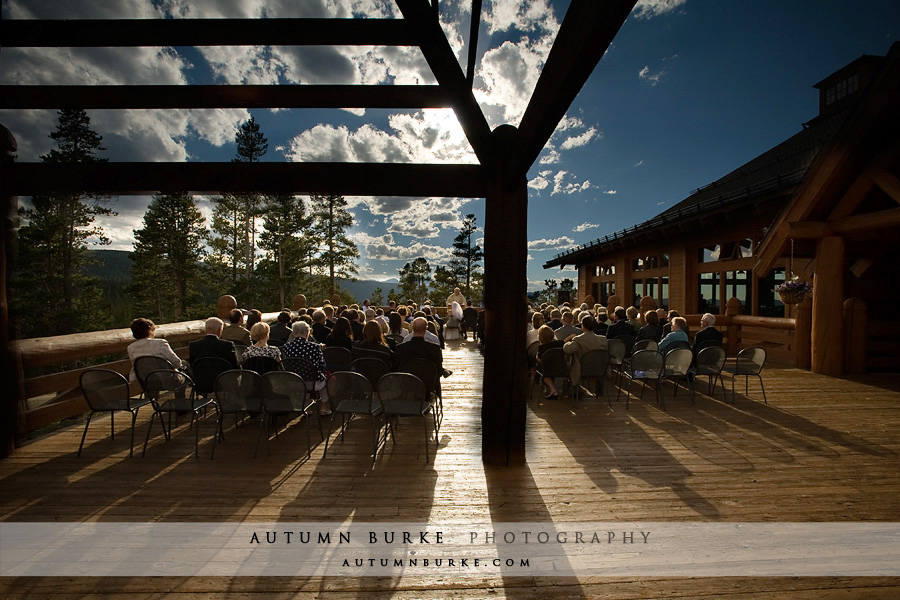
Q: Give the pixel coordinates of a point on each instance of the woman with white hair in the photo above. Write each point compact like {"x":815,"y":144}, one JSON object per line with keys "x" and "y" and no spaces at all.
{"x":301,"y":347}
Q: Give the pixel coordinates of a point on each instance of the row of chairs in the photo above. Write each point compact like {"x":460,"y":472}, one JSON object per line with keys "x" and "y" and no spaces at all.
{"x":679,"y":364}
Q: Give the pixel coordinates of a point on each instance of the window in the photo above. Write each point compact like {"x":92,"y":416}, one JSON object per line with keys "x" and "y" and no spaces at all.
{"x":842,"y":89}
{"x":709,"y":254}
{"x":637,"y":264}
{"x":651,"y":288}
{"x":738,"y":284}
{"x":607,"y":289}
{"x":708,"y":298}
{"x":746,"y":248}
{"x":664,"y":292}
{"x":638,"y":291}
{"x":770,"y":305}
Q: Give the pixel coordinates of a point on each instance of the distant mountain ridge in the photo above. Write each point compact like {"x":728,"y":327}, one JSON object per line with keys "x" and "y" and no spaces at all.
{"x":113,"y":268}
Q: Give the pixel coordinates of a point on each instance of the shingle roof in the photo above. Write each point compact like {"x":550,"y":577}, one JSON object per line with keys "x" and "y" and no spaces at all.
{"x":777,"y":169}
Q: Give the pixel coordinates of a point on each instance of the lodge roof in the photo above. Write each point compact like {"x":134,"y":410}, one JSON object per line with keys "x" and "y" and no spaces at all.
{"x":773,"y":173}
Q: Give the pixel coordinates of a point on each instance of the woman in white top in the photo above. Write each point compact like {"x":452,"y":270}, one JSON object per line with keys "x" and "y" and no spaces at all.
{"x":146,"y":344}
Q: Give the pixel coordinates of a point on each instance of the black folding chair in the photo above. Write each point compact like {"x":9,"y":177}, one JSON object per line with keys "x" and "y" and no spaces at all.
{"x":107,"y":391}
{"x":164,"y":381}
{"x":284,"y":393}
{"x":237,"y":392}
{"x":403,"y":395}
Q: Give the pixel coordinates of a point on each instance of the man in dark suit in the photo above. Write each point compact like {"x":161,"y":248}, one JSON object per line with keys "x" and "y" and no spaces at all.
{"x":708,"y":335}
{"x":211,"y":345}
{"x":621,"y":327}
{"x":416,"y":347}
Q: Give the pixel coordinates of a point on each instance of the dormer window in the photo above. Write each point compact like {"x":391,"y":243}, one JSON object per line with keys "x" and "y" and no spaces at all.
{"x":842,"y":89}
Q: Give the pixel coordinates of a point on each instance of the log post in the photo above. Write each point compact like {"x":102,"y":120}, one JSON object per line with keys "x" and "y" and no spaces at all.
{"x":224,"y":306}
{"x":611,"y":303}
{"x":11,"y":392}
{"x":856,"y":320}
{"x":299,"y":302}
{"x":503,"y":407}
{"x":803,"y":334}
{"x":647,"y":303}
{"x":828,"y":307}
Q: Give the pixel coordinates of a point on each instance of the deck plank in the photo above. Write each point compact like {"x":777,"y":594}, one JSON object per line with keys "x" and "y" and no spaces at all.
{"x":823,"y":449}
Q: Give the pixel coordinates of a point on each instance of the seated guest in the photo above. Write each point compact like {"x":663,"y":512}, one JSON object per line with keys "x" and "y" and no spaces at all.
{"x":260,"y":347}
{"x":433,"y":317}
{"x":632,"y":314}
{"x":547,"y":340}
{"x":320,"y":331}
{"x":667,"y":326}
{"x":581,"y":344}
{"x":341,"y":335}
{"x":212,"y":346}
{"x":679,"y":325}
{"x":568,"y":328}
{"x":470,"y":320}
{"x":621,"y":327}
{"x":531,"y":336}
{"x":355,"y":324}
{"x":373,"y":339}
{"x":417,"y":347}
{"x":652,"y":330}
{"x":708,"y":335}
{"x":301,"y":347}
{"x":395,"y":324}
{"x":328,"y":309}
{"x":602,"y":323}
{"x":430,"y":332}
{"x":281,"y":329}
{"x":235,"y":331}
{"x":146,"y":344}
{"x":253,"y":318}
{"x":555,"y":321}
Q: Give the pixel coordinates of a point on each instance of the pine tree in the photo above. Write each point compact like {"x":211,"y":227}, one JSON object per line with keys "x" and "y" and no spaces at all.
{"x":414,"y":279}
{"x":52,"y":294}
{"x":377,"y":297}
{"x":227,"y":241}
{"x":467,"y":254}
{"x":251,"y":146}
{"x":286,"y":242}
{"x":166,"y":259}
{"x":337,"y":253}
{"x":443,"y":283}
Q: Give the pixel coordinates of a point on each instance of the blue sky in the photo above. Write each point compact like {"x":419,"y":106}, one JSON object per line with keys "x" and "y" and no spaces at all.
{"x":689,"y":90}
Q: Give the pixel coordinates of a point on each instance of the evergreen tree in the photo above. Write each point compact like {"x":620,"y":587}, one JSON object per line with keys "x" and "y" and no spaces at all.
{"x":251,"y":146}
{"x":166,"y":261}
{"x":52,"y":294}
{"x":414,"y":279}
{"x":227,"y":241}
{"x":286,"y":243}
{"x":550,"y":290}
{"x":337,"y":254}
{"x":467,"y":254}
{"x":377,"y":297}
{"x":443,"y":283}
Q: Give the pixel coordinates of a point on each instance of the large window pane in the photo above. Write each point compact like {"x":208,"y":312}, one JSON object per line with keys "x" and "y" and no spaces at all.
{"x":664,"y":293}
{"x":770,"y":305}
{"x":708,"y":299}
{"x":738,"y":285}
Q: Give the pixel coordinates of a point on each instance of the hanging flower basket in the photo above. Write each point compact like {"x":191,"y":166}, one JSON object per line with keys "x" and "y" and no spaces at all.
{"x":793,"y":291}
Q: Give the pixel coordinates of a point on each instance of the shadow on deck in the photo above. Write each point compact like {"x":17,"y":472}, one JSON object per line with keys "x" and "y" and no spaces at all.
{"x":823,"y":449}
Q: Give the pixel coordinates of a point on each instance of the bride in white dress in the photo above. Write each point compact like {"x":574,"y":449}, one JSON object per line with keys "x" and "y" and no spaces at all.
{"x":454,"y":317}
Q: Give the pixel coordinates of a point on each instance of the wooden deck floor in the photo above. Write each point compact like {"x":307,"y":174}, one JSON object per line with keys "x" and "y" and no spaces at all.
{"x":823,"y":449}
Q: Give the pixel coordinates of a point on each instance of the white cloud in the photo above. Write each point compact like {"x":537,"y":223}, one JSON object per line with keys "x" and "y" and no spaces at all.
{"x":540,"y":182}
{"x":610,"y":192}
{"x":585,"y":227}
{"x":560,"y":243}
{"x":551,"y":156}
{"x":647,"y":9}
{"x":639,"y":163}
{"x":579,"y":140}
{"x":385,"y":248}
{"x":653,"y":78}
{"x":560,"y":186}
{"x":520,"y":15}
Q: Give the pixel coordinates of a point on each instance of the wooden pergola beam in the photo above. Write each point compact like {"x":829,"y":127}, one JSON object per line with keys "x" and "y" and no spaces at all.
{"x":222,"y":96}
{"x":449,"y":75}
{"x":584,"y":36}
{"x":98,"y":33}
{"x":811,"y":230}
{"x":352,"y":179}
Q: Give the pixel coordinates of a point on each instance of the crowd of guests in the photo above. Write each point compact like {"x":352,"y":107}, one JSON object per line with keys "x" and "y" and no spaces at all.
{"x":582,"y":329}
{"x":398,"y":332}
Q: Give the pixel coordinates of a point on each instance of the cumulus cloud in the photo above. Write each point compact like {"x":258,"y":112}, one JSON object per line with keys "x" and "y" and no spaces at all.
{"x":584,"y":227}
{"x":385,"y":248}
{"x":550,"y":157}
{"x":561,"y":186}
{"x":579,"y":140}
{"x":541,"y":182}
{"x":647,"y":9}
{"x":610,"y":192}
{"x":652,"y":78}
{"x":560,"y":243}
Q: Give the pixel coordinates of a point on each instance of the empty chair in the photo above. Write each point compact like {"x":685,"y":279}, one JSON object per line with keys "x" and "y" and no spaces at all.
{"x":352,"y":394}
{"x":338,"y":358}
{"x":427,"y":372}
{"x":594,"y":365}
{"x":162,"y":381}
{"x":709,"y":362}
{"x":749,"y":362}
{"x":107,"y":391}
{"x":261,"y":364}
{"x":617,"y":353}
{"x":645,"y":344}
{"x":372,"y":369}
{"x":284,"y":393}
{"x":237,"y":391}
{"x":204,"y":372}
{"x":676,"y":367}
{"x":645,"y":365}
{"x":403,"y":395}
{"x":554,"y":364}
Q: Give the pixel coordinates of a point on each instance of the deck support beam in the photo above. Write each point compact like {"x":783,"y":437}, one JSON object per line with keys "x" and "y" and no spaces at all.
{"x":828,"y":307}
{"x":505,"y":258}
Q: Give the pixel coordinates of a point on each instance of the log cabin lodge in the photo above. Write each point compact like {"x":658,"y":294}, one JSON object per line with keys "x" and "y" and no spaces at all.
{"x":822,"y":205}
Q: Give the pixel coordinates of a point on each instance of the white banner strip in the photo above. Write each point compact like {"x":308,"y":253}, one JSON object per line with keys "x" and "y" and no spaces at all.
{"x":655,"y":549}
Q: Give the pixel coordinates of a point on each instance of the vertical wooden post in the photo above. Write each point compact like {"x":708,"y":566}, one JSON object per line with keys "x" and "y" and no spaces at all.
{"x":503,"y":407}
{"x":856,"y":319}
{"x":9,"y":387}
{"x":828,"y":307}
{"x":732,"y":309}
{"x":803,"y":334}
{"x":224,"y":306}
